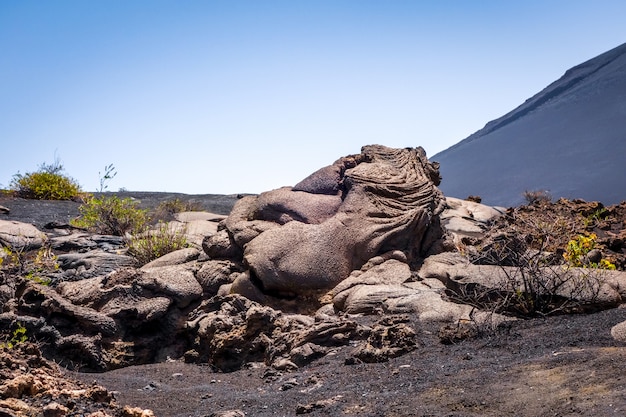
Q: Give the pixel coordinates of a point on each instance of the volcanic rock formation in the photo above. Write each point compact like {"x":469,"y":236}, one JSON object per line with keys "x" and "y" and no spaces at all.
{"x":312,"y":236}
{"x":289,"y":276}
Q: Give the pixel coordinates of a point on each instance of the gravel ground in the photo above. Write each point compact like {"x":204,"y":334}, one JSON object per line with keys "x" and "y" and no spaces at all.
{"x":559,"y":366}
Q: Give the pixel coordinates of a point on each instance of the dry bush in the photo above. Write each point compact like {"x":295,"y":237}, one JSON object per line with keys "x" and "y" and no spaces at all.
{"x":535,"y":196}
{"x":166,"y":210}
{"x":532,"y":280}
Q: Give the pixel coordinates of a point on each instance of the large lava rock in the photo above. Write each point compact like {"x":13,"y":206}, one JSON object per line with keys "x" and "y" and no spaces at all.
{"x":312,"y":236}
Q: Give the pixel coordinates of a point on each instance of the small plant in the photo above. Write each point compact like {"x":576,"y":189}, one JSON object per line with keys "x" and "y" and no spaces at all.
{"x":12,"y":263}
{"x":45,"y":184}
{"x":111,"y":215}
{"x":18,"y":336}
{"x":109,"y":174}
{"x":578,"y":250}
{"x":43,"y":262}
{"x":27,"y":266}
{"x":35,"y":277}
{"x":537,"y":196}
{"x":8,"y":258}
{"x":158,"y":242}
{"x":594,"y":218}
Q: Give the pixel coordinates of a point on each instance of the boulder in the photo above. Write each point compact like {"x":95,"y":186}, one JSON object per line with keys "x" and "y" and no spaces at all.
{"x":311,"y":237}
{"x":76,"y":266}
{"x":177,"y":257}
{"x":575,"y":289}
{"x":130,"y":316}
{"x":465,"y":218}
{"x":195,"y":231}
{"x":387,"y":285}
{"x":229,"y":331}
{"x":47,"y":302}
{"x":215,"y":273}
{"x":18,"y":236}
{"x":391,"y":337}
{"x":619,"y":332}
{"x":119,"y":296}
{"x":177,"y":282}
{"x":77,"y":241}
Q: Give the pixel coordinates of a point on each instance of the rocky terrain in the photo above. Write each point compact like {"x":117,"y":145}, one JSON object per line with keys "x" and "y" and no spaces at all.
{"x":361,"y":290}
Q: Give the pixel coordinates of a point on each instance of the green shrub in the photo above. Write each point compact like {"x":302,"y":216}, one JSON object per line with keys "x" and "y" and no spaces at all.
{"x":115,"y":216}
{"x":43,"y":185}
{"x":155,"y":243}
{"x":578,"y":249}
{"x":112,"y":216}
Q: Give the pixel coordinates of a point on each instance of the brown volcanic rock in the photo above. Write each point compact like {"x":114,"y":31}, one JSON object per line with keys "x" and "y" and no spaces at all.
{"x":314,"y":235}
{"x":30,"y":385}
{"x":19,"y":236}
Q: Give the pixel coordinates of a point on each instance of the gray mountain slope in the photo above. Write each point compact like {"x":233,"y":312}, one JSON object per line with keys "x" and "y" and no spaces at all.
{"x":569,"y":139}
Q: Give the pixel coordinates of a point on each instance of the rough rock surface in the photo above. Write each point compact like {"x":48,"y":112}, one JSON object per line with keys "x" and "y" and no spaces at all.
{"x":30,"y":385}
{"x":386,"y":285}
{"x":465,"y":218}
{"x":106,"y":313}
{"x":361,"y":206}
{"x":234,"y":330}
{"x":399,"y":297}
{"x":19,"y":236}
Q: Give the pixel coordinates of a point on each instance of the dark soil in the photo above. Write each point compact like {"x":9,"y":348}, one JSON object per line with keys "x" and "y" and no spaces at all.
{"x":558,"y":366}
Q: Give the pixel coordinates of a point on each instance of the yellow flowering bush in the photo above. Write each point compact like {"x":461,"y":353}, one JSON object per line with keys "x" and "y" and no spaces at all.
{"x":579,"y":247}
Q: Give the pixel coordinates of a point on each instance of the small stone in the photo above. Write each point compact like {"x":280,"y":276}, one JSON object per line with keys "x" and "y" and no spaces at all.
{"x":619,"y":332}
{"x":289,"y":385}
{"x":228,"y":413}
{"x":150,"y":387}
{"x":271,"y":375}
{"x":594,"y":256}
{"x":284,"y":365}
{"x":55,"y":409}
{"x":136,"y":412}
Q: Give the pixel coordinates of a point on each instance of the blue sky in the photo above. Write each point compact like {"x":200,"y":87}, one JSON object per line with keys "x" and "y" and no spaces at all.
{"x":247,"y":96}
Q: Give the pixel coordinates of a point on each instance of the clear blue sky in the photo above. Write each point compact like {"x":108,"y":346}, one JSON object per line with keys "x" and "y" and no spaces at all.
{"x":246,"y":96}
